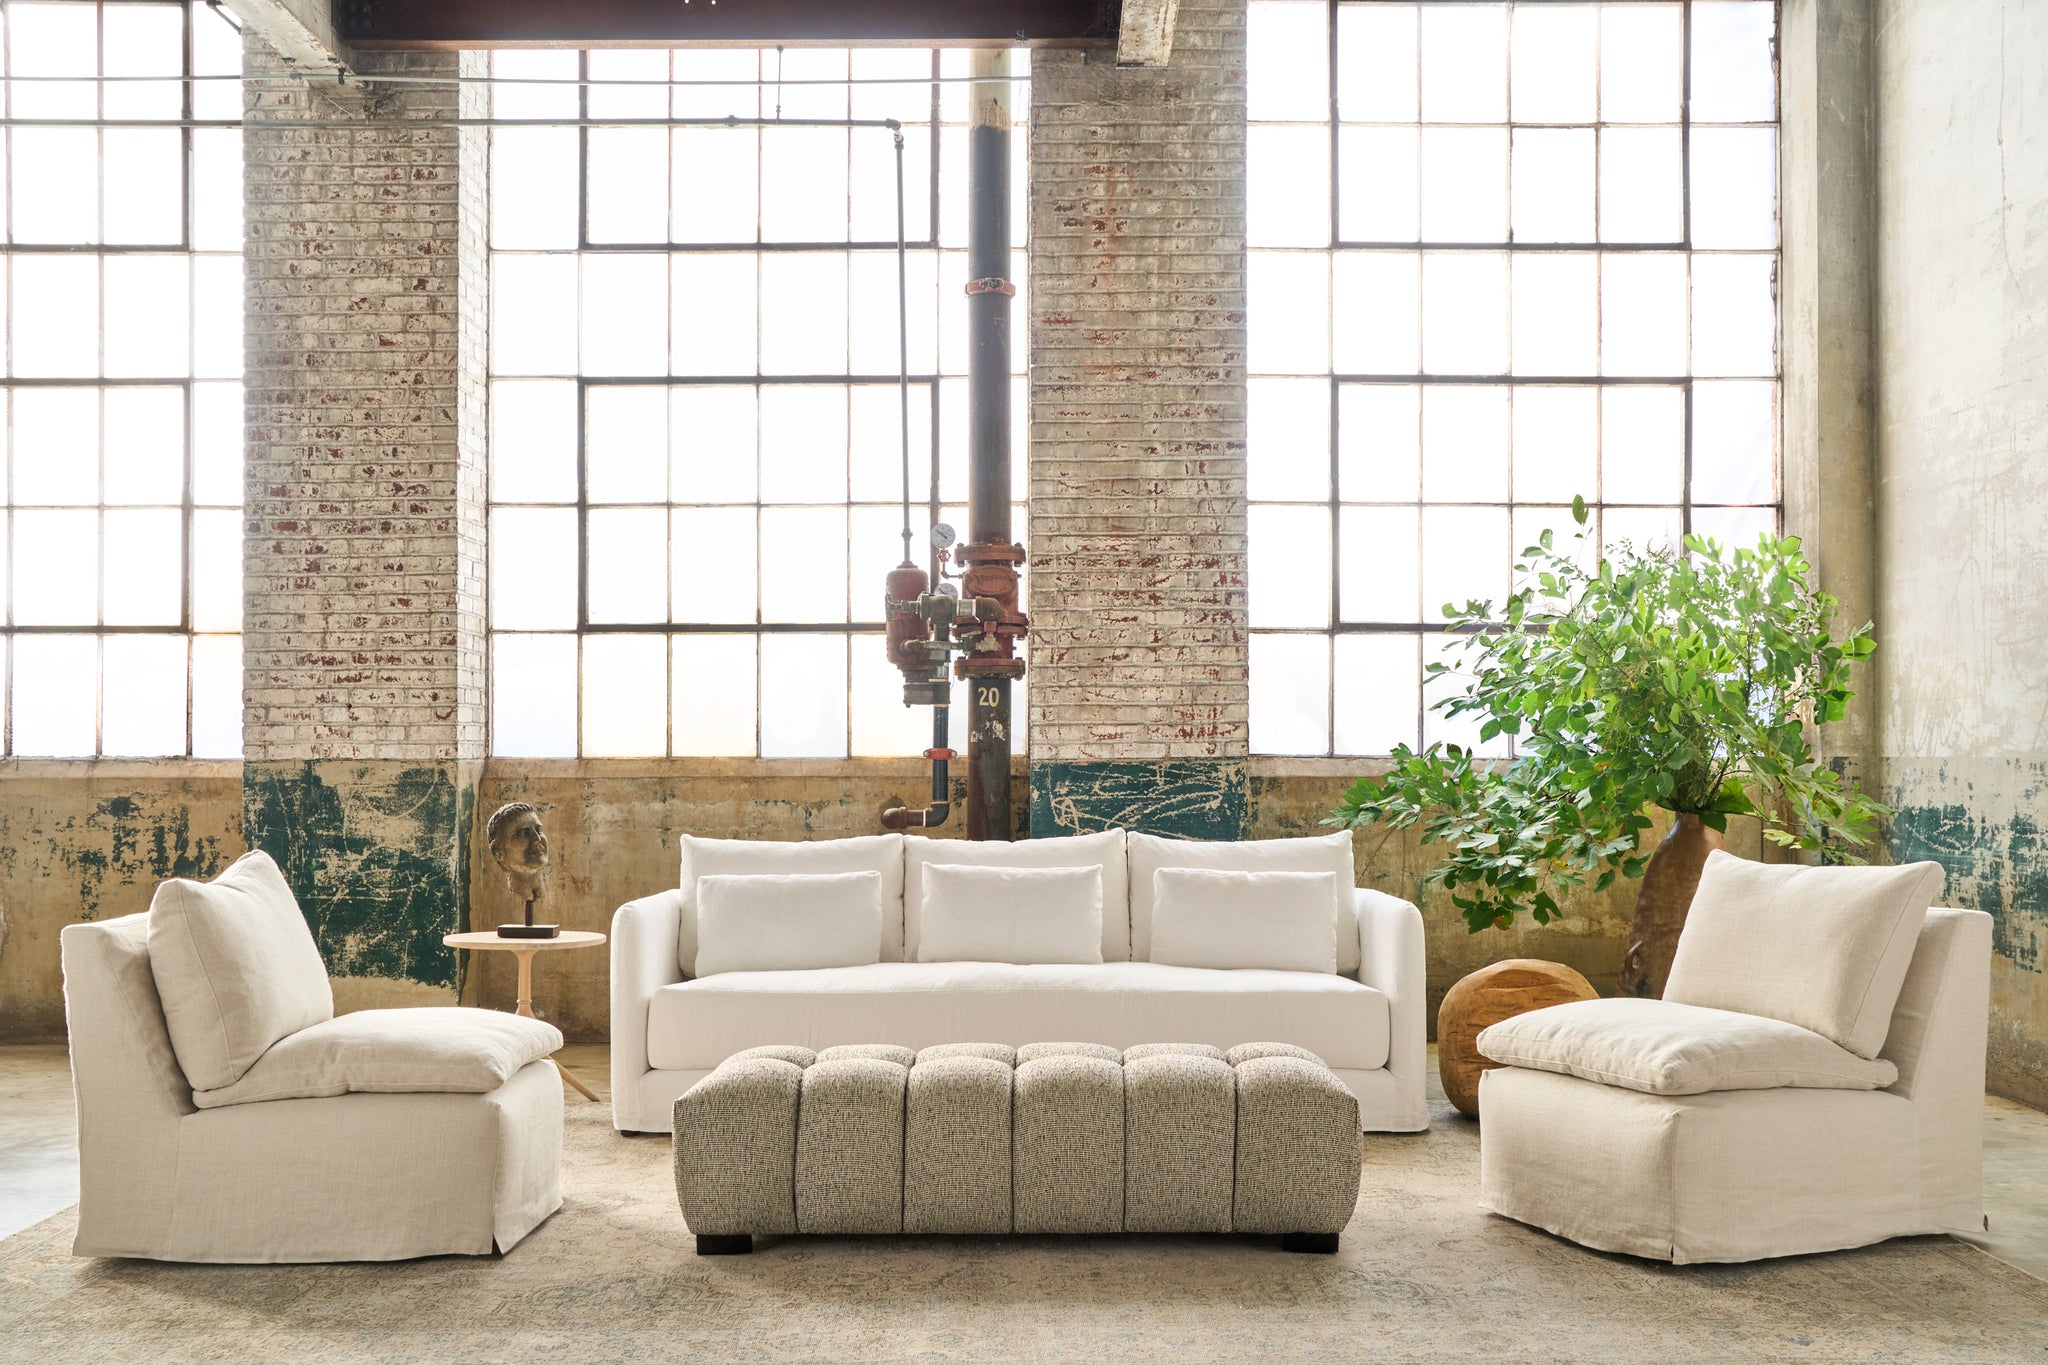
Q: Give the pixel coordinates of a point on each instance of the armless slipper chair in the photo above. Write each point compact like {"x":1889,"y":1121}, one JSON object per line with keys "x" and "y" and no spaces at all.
{"x":1813,"y":1078}
{"x":226,"y":1114}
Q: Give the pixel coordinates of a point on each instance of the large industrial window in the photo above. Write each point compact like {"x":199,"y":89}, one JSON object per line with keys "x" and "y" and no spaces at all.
{"x":122,"y":562}
{"x":1501,"y":255}
{"x":694,"y":455}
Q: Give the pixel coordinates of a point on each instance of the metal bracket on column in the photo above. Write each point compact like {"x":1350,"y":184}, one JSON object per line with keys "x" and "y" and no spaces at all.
{"x":991,"y":284}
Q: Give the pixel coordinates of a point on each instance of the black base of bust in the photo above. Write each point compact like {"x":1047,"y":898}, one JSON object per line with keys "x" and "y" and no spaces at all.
{"x":529,"y":930}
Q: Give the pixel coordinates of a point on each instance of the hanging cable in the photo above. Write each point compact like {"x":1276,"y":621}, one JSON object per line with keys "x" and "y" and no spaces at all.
{"x":903,"y":341}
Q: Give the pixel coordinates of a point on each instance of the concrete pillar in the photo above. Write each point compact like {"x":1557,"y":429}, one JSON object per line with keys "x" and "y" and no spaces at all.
{"x":364,"y":724}
{"x":1827,"y":174}
{"x":1137,"y":340}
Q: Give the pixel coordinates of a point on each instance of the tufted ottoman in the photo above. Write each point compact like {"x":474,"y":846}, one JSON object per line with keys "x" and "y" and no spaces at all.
{"x":1049,"y":1137}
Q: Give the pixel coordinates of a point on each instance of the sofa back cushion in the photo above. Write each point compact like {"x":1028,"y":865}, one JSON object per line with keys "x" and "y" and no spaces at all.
{"x":1281,"y":921}
{"x":878,"y":853}
{"x":1329,"y":853}
{"x":797,"y":922}
{"x":1103,"y":851}
{"x":235,"y":967}
{"x":1023,"y":915}
{"x":1825,"y":948}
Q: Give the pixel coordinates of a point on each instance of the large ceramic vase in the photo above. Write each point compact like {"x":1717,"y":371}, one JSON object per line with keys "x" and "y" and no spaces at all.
{"x":1668,"y":882}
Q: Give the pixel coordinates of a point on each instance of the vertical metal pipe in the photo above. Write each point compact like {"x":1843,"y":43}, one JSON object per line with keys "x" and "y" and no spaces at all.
{"x":988,"y":416}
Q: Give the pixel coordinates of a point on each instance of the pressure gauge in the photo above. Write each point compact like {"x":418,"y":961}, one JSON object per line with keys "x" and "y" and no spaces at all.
{"x":947,"y":590}
{"x":943,"y":537}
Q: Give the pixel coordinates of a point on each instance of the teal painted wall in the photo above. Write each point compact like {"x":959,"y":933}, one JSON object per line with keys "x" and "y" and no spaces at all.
{"x":1181,"y":798}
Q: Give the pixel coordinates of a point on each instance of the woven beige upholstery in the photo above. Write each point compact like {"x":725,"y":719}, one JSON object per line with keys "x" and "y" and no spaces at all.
{"x":1049,"y":1137}
{"x":1180,"y":1138}
{"x":849,"y":1146}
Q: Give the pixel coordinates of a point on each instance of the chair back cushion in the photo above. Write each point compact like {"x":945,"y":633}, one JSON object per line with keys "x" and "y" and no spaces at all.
{"x":768,"y":923}
{"x":881,"y":853}
{"x":400,"y":1051}
{"x":1103,"y":850}
{"x":236,"y":968}
{"x":1825,"y":948}
{"x":1327,"y":853}
{"x":1662,"y":1048}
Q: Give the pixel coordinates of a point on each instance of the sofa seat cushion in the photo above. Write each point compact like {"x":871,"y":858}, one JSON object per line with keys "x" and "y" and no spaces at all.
{"x":1663,"y":1048}
{"x":695,"y":1025}
{"x":401,"y":1051}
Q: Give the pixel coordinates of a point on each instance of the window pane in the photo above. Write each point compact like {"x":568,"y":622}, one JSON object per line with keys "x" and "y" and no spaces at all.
{"x":1436,"y":726}
{"x":1464,"y":184}
{"x":881,"y":723}
{"x":714,"y":694}
{"x":1556,"y":59}
{"x":803,"y":574}
{"x":533,"y":188}
{"x":1553,"y":185}
{"x":1734,"y":527}
{"x":1640,"y":47}
{"x":625,"y":695}
{"x":56,"y":316}
{"x":1465,"y":556}
{"x":533,"y":568}
{"x":1288,"y":573}
{"x":803,"y":443}
{"x":715,"y":192}
{"x":1378,"y":327}
{"x":715,"y":314}
{"x":1287,"y":319}
{"x":623,"y":333}
{"x":803,"y":696}
{"x":1464,"y":312}
{"x":56,"y":569}
{"x":217,"y":696}
{"x":1735,"y":187}
{"x":875,"y":451}
{"x":217,"y":444}
{"x":628,"y":566}
{"x":1287,"y":74}
{"x":1379,"y":445}
{"x":712,"y":443}
{"x":142,"y":581}
{"x":803,"y":184}
{"x":144,"y":187}
{"x":1288,"y":439}
{"x":1380,"y":566}
{"x":56,"y":181}
{"x":1642,"y":444}
{"x":1464,"y":63}
{"x":1465,"y":443}
{"x":1641,"y":188}
{"x":712,"y":558}
{"x":1643,"y":529}
{"x":1643,"y":314}
{"x":1378,"y":693}
{"x":56,"y":689}
{"x":1734,"y":442}
{"x":1379,"y":180}
{"x":1734,"y":74}
{"x":533,"y":696}
{"x":533,"y":314}
{"x":1287,"y":191}
{"x":1290,"y":703}
{"x":803,"y":313}
{"x":1556,"y":310}
{"x":142,"y":711}
{"x":716,"y":101}
{"x":555,"y":99}
{"x":1376,"y":63}
{"x":533,"y":441}
{"x":1557,"y":444}
{"x":148,"y":306}
{"x":1734,"y":315}
{"x":53,"y":40}
{"x":56,"y":446}
{"x":628,"y":185}
{"x":217,"y":317}
{"x":629,"y":100}
{"x":145,"y":446}
{"x":625,"y":447}
{"x":217,"y":571}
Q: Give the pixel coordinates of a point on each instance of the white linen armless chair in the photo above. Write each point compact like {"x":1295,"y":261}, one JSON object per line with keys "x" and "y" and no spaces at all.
{"x":1813,"y":1078}
{"x":226,"y":1114}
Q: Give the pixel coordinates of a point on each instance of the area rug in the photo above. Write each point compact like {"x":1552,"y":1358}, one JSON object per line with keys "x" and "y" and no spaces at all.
{"x":1423,"y":1276}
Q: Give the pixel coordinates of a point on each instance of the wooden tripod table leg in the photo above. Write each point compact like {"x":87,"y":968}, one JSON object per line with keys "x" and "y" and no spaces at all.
{"x":526,"y":1008}
{"x":570,"y":1077}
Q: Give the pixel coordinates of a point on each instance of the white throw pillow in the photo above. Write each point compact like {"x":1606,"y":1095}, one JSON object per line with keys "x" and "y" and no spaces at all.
{"x":1825,"y":948}
{"x":880,"y":853}
{"x":1661,"y":1048}
{"x":1025,"y":915}
{"x":1329,"y":852}
{"x":1280,"y":920}
{"x":398,"y":1051}
{"x":1103,"y":851}
{"x":236,"y":968}
{"x":788,"y":923}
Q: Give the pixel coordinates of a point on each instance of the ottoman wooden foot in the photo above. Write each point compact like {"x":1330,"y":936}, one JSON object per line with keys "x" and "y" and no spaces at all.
{"x":1311,"y":1243}
{"x":738,"y":1244}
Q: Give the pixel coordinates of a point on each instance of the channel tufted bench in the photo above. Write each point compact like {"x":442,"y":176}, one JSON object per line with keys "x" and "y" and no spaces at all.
{"x":1048,"y":1137}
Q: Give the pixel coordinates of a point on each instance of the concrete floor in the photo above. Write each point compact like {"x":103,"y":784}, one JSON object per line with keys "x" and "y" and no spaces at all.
{"x":39,"y":1172}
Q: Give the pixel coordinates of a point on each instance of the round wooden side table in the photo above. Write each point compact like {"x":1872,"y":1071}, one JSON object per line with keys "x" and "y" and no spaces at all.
{"x":1488,"y":996}
{"x":525,"y":948}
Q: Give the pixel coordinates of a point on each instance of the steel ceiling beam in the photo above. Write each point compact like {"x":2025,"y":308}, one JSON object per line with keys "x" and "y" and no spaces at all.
{"x":400,"y":24}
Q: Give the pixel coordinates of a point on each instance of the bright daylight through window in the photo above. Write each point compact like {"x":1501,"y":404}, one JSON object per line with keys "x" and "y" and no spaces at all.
{"x":695,"y":458}
{"x":1538,"y":260}
{"x":122,"y":564}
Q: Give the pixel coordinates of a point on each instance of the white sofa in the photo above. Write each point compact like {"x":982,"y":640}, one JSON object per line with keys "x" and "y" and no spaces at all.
{"x":669,"y":1029}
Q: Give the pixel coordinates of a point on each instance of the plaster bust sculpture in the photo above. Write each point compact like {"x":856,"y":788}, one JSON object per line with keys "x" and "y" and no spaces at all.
{"x":520,"y":846}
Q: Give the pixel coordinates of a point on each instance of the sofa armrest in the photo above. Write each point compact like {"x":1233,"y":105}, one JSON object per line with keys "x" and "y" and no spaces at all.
{"x":1390,"y":960}
{"x":643,"y":944}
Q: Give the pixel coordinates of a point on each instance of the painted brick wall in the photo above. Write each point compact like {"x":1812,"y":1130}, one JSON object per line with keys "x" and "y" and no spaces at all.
{"x":363,"y":563}
{"x":1138,"y":703}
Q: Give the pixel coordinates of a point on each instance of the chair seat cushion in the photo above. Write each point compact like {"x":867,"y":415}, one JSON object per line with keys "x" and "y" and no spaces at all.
{"x":400,"y":1051}
{"x":1663,"y":1048}
{"x":695,"y":1025}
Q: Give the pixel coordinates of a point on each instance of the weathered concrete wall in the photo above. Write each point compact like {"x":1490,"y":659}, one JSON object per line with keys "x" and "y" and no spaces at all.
{"x":612,"y":827}
{"x":1138,"y":645}
{"x":1962,"y":355}
{"x":90,"y":841}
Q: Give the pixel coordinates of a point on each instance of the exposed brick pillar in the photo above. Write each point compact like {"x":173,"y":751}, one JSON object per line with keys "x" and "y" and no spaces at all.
{"x":364,"y":651}
{"x":1138,"y":643}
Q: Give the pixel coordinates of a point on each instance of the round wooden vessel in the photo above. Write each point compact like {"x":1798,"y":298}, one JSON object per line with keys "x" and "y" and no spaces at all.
{"x":1488,"y":996}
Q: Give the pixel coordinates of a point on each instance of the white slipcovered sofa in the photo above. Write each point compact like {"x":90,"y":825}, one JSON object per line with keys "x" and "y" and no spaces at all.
{"x":671,"y":1026}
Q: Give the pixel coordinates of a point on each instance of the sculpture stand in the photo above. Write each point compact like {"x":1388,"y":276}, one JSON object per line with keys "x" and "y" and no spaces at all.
{"x":529,"y":929}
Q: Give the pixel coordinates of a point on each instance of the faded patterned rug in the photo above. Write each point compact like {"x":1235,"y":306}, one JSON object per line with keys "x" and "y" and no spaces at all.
{"x":1424,"y":1275}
